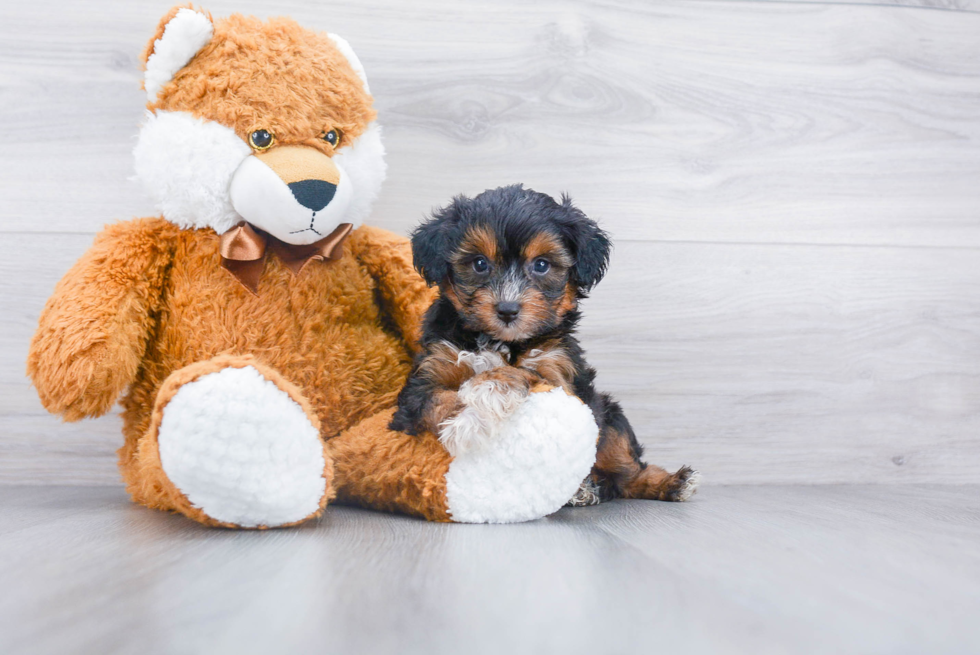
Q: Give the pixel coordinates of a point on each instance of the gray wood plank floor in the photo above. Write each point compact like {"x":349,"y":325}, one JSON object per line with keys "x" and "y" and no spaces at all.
{"x":792,"y":187}
{"x":847,"y":569}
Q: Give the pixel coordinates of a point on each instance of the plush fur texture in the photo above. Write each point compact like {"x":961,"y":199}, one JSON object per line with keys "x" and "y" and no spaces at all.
{"x":532,"y":464}
{"x":229,"y":439}
{"x":150,"y":299}
{"x":153,"y":487}
{"x":194,"y":144}
{"x":150,"y":314}
{"x":511,"y":265}
{"x":186,"y":165}
{"x":184,"y":33}
{"x":266,"y":201}
{"x":391,"y":471}
{"x":238,"y":80}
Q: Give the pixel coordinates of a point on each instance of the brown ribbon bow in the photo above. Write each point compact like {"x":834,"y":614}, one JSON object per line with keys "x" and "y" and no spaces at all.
{"x":243,"y":252}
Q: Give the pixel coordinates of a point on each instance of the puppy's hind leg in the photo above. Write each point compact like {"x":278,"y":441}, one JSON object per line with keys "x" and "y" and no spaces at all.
{"x":620,"y":471}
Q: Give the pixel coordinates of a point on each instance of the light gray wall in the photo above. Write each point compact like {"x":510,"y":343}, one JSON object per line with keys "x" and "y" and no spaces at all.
{"x":794,"y":191}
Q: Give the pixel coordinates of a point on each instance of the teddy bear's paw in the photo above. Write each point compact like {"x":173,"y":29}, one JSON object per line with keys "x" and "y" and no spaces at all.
{"x":242,"y":450}
{"x":488,"y":399}
{"x":537,"y":460}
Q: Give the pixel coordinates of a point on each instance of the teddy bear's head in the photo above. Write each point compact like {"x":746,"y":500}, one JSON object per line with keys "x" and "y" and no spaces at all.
{"x":257,"y":121}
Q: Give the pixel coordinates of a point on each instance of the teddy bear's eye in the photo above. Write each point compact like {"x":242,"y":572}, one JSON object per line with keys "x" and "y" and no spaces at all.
{"x":332,"y":137}
{"x":261,"y":139}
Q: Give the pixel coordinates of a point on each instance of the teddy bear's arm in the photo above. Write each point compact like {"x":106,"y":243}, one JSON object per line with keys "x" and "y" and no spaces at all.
{"x":388,"y":258}
{"x":93,"y":330}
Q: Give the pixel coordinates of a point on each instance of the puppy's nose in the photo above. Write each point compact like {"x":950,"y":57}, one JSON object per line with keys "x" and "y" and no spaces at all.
{"x":508,"y":311}
{"x":313,"y":194}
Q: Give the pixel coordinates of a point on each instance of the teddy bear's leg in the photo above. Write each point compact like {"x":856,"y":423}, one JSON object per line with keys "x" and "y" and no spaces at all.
{"x":391,"y":471}
{"x":232,"y":443}
{"x":529,"y":467}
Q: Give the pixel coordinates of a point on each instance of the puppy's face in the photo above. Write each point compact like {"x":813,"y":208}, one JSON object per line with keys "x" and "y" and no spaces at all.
{"x":511,"y":291}
{"x":512,"y":261}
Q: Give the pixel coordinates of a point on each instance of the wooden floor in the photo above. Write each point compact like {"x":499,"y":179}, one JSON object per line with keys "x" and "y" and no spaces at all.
{"x":832,"y":569}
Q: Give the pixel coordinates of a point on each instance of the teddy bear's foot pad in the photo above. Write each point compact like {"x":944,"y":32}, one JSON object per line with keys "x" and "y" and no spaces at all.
{"x":242,"y":450}
{"x":534,"y":463}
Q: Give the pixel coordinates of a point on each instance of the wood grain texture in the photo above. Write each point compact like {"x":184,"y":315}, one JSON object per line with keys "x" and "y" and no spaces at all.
{"x":717,"y":121}
{"x":792,"y":188}
{"x":855,"y":569}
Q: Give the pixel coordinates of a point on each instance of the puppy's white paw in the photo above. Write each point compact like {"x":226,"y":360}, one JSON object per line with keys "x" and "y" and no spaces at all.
{"x":486,"y":405}
{"x":484,"y":360}
{"x":689,"y":487}
{"x":588,"y":494}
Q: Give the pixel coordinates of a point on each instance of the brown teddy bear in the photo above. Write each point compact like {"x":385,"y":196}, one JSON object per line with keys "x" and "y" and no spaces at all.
{"x":259,"y":332}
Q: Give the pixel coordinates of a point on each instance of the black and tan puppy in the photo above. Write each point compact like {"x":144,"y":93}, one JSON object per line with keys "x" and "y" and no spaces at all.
{"x":511,"y":265}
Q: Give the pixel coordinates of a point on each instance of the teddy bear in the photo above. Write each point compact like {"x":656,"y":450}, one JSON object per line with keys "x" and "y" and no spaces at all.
{"x":257,"y":331}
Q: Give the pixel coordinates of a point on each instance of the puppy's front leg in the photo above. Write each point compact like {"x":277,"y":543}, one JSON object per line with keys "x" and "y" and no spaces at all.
{"x":487,"y":399}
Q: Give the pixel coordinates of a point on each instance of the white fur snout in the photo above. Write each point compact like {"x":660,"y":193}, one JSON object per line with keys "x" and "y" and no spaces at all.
{"x":265,"y":201}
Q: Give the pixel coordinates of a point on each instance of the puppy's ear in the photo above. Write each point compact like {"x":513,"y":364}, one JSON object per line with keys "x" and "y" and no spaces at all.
{"x":434,"y":241}
{"x":591,"y":245}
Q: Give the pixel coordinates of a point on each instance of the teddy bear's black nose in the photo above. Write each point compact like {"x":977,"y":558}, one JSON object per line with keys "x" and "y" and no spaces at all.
{"x":313,"y":194}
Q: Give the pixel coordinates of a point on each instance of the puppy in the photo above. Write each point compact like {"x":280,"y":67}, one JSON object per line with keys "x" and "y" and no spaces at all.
{"x":512,"y":265}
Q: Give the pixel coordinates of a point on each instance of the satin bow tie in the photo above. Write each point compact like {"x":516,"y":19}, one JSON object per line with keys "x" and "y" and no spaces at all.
{"x":243,"y":252}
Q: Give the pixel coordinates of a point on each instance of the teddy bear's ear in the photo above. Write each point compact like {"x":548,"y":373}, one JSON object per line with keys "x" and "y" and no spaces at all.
{"x":355,"y":63}
{"x":180,"y":35}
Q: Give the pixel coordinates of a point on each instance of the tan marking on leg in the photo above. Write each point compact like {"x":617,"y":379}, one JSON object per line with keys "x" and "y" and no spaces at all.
{"x":443,"y":406}
{"x":655,"y":483}
{"x":552,"y":362}
{"x":442,"y":366}
{"x":509,"y":377}
{"x":616,"y":460}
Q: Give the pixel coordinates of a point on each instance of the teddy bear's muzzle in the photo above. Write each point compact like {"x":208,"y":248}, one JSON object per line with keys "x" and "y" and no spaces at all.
{"x":294,"y":192}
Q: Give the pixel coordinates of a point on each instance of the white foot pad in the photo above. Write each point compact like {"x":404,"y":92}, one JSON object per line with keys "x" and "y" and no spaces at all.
{"x":242,"y":450}
{"x":532,"y":465}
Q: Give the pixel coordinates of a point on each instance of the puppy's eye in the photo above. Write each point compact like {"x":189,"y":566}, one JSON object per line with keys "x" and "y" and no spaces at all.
{"x":541,"y":266}
{"x":332,"y":137}
{"x":481,"y":265}
{"x":261,"y":139}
